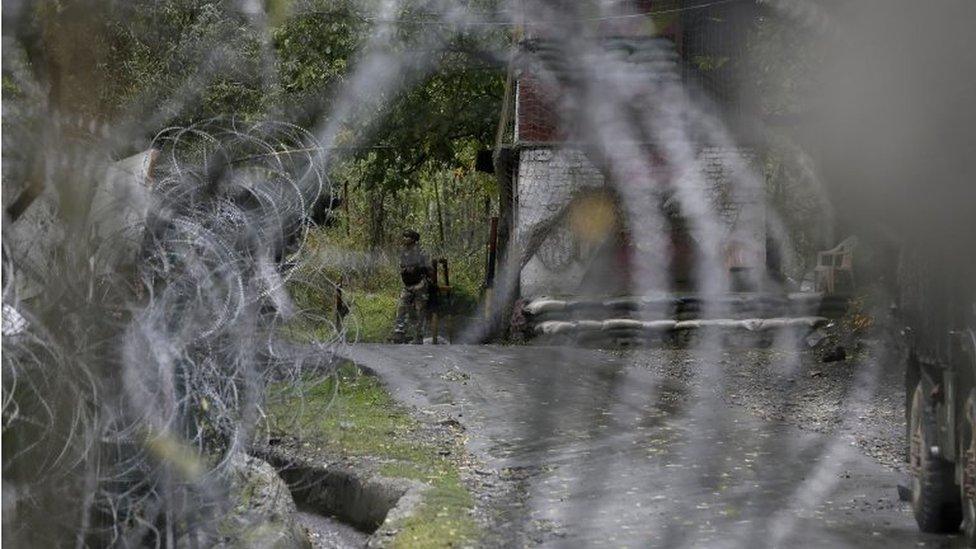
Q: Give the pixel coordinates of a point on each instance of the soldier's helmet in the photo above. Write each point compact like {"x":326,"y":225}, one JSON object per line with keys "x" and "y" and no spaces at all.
{"x":412,"y":235}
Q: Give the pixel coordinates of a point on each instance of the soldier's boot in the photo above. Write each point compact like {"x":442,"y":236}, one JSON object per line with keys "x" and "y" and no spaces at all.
{"x":418,"y":336}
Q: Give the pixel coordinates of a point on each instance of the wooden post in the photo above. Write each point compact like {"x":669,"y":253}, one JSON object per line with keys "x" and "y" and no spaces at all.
{"x":341,"y":310}
{"x":440,"y":216}
{"x":490,"y":275}
{"x":492,"y":250}
{"x":345,"y":203}
{"x":450,"y":317}
{"x":437,"y":295}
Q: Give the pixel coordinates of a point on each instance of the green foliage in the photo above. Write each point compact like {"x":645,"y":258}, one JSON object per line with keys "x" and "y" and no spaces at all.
{"x":369,"y":274}
{"x":176,"y":62}
{"x":782,"y":61}
{"x":10,"y":88}
{"x":425,"y":124}
{"x":793,"y":193}
{"x":193,"y":59}
{"x":443,"y":519}
{"x":314,"y":49}
{"x":432,"y":125}
{"x":373,"y":314}
{"x":371,"y":284}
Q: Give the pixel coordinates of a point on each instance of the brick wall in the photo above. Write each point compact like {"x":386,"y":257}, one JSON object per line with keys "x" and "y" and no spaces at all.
{"x":548,"y":179}
{"x":734,"y":187}
{"x":546,"y":182}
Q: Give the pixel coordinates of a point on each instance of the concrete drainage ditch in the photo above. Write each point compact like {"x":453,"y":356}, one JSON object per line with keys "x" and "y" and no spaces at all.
{"x":371,"y":504}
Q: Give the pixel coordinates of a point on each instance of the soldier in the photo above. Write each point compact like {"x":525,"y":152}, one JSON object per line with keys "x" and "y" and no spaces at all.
{"x":415,"y":273}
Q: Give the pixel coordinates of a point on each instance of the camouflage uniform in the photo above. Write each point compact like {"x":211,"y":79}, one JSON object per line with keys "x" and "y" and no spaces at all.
{"x":414,"y":268}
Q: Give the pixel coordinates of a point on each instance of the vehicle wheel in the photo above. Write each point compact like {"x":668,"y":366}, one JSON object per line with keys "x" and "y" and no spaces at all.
{"x":935,"y":498}
{"x":967,"y":489}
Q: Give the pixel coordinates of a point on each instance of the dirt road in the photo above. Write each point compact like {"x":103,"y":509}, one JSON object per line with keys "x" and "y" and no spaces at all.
{"x":650,"y":448}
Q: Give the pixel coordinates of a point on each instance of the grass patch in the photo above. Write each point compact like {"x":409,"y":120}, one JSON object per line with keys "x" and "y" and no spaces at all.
{"x":353,"y":415}
{"x":374,"y":314}
{"x":370,"y":319}
{"x":372,"y":285}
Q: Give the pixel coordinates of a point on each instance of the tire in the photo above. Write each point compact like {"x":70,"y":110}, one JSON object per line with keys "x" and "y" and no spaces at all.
{"x":912,"y":379}
{"x":967,"y":459}
{"x":935,"y":497}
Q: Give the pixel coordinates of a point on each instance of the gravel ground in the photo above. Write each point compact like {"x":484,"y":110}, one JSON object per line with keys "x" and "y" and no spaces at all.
{"x":597,"y":443}
{"x":861,"y":398}
{"x":330,"y":533}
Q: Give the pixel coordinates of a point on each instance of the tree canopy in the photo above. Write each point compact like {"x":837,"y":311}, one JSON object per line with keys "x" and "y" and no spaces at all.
{"x":175,"y":62}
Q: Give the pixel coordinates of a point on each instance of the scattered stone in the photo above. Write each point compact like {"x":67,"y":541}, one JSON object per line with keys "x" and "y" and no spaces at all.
{"x":451,"y":422}
{"x":454,"y":374}
{"x":264,"y":511}
{"x":815,"y":338}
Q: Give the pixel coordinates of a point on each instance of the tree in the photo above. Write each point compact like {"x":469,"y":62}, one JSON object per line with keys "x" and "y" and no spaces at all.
{"x":423,"y":124}
{"x":156,"y":64}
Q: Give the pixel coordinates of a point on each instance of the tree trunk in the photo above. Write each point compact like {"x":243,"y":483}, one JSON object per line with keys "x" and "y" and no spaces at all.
{"x":345,"y":205}
{"x":377,"y":215}
{"x":440,"y":216}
